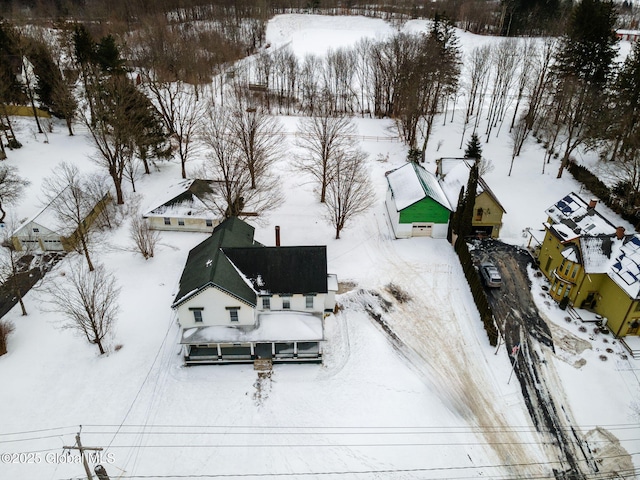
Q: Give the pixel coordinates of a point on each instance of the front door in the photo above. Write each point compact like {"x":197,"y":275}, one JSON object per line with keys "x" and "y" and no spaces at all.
{"x":263,"y":350}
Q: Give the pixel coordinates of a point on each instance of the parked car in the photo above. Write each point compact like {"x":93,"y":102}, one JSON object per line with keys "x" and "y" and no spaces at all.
{"x":490,"y":275}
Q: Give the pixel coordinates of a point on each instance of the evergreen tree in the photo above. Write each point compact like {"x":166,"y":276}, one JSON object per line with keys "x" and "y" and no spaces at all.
{"x":522,"y":17}
{"x":583,"y":66}
{"x":474,"y":148}
{"x":11,"y":90}
{"x":466,"y":215}
{"x":624,"y":120}
{"x":107,"y":56}
{"x":588,"y":49}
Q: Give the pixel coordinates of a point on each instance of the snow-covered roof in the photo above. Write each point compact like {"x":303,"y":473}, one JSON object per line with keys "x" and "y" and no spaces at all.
{"x":596,"y":252}
{"x":48,"y":218}
{"x":411,"y":183}
{"x":183,"y":199}
{"x":570,"y":253}
{"x":625,"y":270}
{"x":272,"y":327}
{"x":453,"y":174}
{"x":571,"y":217}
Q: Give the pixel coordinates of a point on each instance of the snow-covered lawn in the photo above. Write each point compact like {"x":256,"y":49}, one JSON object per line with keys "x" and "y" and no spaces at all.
{"x":438,"y":407}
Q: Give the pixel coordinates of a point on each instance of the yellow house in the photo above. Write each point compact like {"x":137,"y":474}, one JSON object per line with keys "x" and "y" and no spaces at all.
{"x":592,"y":264}
{"x":453,"y":174}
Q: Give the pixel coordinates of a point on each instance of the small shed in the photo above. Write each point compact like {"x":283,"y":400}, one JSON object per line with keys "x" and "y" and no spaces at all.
{"x":416,"y":203}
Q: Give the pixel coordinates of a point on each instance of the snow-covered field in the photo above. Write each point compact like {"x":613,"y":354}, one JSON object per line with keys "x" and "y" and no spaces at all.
{"x":441,"y":407}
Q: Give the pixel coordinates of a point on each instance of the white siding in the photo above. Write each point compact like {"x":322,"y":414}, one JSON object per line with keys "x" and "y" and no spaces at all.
{"x":44,"y":238}
{"x":191,"y":224}
{"x":405,"y":230}
{"x":214,"y":303}
{"x":297,"y":302}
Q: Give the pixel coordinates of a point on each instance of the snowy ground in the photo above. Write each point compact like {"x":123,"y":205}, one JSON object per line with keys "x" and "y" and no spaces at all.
{"x":438,"y":406}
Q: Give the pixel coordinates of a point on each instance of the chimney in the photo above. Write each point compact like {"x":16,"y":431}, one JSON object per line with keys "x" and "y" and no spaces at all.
{"x":619,"y":233}
{"x":277,"y":235}
{"x":593,"y":202}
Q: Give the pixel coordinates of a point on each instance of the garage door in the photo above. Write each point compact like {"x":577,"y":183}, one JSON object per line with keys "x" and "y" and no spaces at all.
{"x":421,"y":230}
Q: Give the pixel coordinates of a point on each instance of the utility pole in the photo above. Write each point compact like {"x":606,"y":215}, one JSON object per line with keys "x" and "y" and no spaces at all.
{"x":78,"y":446}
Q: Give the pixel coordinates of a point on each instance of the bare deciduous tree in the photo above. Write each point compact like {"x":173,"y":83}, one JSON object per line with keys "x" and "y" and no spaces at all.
{"x":235,"y":196}
{"x":258,"y":137}
{"x":11,"y":187}
{"x":181,"y":113}
{"x":143,"y":237}
{"x":323,"y":138}
{"x":478,"y":66}
{"x":349,"y":193}
{"x":504,"y":57}
{"x":68,"y":194}
{"x":88,"y":300}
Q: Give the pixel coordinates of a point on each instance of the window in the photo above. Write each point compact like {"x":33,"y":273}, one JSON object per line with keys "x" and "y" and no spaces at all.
{"x":575,"y":271}
{"x":209,"y":222}
{"x":167,"y":221}
{"x":286,"y":303}
{"x":567,"y":268}
{"x":233,"y":314}
{"x":197,"y":316}
{"x":309,"y":301}
{"x":36,"y":230}
{"x":479,"y":213}
{"x":266,"y":303}
{"x":548,"y":265}
{"x":181,"y":222}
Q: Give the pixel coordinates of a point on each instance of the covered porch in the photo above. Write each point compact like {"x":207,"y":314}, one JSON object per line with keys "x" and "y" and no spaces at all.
{"x":282,"y":337}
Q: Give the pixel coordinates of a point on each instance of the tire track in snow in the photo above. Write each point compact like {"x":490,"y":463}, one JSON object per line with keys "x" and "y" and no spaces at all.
{"x":430,"y":332}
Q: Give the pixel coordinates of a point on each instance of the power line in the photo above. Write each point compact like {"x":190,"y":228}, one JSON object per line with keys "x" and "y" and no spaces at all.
{"x":598,"y":475}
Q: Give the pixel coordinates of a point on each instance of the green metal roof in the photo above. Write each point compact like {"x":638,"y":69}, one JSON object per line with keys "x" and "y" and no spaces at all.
{"x":208,"y":266}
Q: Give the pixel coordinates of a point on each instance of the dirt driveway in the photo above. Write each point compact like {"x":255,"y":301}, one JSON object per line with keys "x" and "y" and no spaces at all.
{"x":521,"y":324}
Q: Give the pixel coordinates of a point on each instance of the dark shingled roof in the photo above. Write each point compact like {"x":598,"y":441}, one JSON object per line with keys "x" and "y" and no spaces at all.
{"x":207,"y":265}
{"x":282,"y":269}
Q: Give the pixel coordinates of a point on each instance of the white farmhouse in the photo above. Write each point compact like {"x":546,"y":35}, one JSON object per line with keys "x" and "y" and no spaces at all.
{"x":240,"y":301}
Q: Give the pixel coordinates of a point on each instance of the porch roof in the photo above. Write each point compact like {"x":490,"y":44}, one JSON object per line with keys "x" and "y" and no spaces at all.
{"x":272,"y":327}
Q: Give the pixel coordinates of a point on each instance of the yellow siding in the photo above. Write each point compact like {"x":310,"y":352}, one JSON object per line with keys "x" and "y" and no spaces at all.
{"x":550,"y":256}
{"x":24,"y":111}
{"x":491,"y":213}
{"x":587,"y":284}
{"x":616,"y":305}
